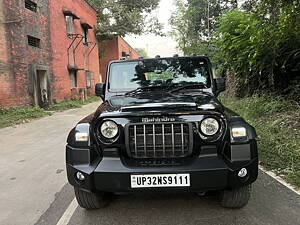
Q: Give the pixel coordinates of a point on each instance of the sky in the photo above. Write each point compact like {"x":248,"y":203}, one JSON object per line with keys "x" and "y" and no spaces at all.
{"x":155,"y":45}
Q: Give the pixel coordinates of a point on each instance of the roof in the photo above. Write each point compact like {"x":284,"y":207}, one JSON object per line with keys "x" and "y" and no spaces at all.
{"x":87,"y":1}
{"x":139,"y":59}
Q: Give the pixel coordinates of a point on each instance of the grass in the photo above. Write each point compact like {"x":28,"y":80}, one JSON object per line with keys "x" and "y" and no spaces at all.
{"x":277,"y":122}
{"x":16,"y":115}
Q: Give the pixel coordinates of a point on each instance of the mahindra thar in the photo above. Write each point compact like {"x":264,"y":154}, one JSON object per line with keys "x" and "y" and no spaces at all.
{"x":161,"y":128}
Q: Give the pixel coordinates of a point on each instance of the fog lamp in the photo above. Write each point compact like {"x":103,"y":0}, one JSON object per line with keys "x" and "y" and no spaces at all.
{"x":243,"y":172}
{"x":81,"y":136}
{"x":238,"y":132}
{"x":80,"y":176}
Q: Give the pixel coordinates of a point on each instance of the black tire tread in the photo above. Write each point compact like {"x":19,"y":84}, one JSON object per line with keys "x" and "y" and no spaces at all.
{"x":89,"y":200}
{"x":236,"y":198}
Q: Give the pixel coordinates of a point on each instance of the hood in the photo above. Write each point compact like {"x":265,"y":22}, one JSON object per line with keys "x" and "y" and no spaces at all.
{"x":160,"y":102}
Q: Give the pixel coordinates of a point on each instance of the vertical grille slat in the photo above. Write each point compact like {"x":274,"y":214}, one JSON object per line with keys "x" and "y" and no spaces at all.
{"x":145,"y":144}
{"x":135,"y":145}
{"x":163,"y":139}
{"x":173,"y":143}
{"x":153,"y":127}
{"x":182,"y":139}
{"x":159,"y":140}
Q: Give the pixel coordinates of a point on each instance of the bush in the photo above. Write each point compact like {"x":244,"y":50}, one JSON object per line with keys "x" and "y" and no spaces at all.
{"x":277,"y":122}
{"x":261,"y":48}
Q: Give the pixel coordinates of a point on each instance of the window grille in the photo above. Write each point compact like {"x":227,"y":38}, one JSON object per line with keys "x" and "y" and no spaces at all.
{"x":31,"y":5}
{"x":88,"y":78}
{"x":33,"y":41}
{"x":73,"y":79}
{"x":69,"y":24}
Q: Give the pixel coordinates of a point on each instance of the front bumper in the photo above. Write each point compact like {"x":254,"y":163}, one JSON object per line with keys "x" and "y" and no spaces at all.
{"x":110,"y":174}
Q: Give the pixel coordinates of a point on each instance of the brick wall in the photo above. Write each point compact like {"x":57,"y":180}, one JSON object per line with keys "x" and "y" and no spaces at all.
{"x":21,"y":64}
{"x":16,"y":56}
{"x":112,"y":50}
{"x":60,"y":43}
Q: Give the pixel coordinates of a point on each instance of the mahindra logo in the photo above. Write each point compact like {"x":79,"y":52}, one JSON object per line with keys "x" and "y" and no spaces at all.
{"x":158,"y":119}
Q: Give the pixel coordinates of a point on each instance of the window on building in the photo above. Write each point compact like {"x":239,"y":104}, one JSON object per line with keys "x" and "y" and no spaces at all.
{"x":33,"y":41}
{"x":85,"y":36}
{"x":69,"y":24}
{"x":73,"y":78}
{"x":88,"y":78}
{"x":31,"y":5}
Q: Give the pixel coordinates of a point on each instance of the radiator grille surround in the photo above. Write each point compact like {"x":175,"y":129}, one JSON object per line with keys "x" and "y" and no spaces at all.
{"x":159,"y":140}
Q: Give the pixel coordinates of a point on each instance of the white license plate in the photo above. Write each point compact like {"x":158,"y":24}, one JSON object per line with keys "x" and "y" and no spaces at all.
{"x":160,"y":180}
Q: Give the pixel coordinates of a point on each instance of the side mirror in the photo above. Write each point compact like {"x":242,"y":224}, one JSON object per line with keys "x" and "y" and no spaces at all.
{"x":100,"y":90}
{"x":220,"y":83}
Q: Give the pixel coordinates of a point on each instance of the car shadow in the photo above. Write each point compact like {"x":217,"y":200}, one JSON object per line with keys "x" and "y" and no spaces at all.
{"x":161,"y":208}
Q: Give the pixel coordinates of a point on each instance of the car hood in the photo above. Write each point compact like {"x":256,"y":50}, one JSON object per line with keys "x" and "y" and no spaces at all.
{"x":160,"y":102}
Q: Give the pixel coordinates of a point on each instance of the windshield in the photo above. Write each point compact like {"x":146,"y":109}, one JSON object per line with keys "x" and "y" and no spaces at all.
{"x":170,"y":72}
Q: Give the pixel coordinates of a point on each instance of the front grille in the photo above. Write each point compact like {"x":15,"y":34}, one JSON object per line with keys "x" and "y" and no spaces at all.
{"x":163,"y":140}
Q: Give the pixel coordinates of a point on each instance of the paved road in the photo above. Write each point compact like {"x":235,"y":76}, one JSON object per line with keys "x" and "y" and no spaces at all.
{"x":34,"y":189}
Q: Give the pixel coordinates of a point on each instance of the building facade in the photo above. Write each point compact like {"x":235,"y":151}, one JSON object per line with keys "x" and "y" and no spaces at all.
{"x":114,"y":49}
{"x":48,"y":51}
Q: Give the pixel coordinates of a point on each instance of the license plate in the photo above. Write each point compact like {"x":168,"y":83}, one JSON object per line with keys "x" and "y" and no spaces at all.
{"x":160,"y":180}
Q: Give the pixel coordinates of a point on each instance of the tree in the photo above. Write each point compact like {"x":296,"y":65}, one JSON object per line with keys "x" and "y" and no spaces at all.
{"x":142,"y":52}
{"x":262,"y":47}
{"x":180,"y":28}
{"x":121,"y":17}
{"x":194,"y":22}
{"x":249,"y":5}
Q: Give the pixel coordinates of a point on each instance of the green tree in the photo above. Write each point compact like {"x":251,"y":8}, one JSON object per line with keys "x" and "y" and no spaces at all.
{"x":121,"y":17}
{"x":262,"y":47}
{"x":194,"y":22}
{"x":142,"y":52}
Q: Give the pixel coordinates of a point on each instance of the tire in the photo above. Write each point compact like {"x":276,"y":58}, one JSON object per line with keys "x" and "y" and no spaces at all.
{"x":88,"y":200}
{"x":236,"y":198}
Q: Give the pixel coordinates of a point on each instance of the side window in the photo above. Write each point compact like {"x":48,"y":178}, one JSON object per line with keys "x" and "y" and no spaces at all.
{"x":69,"y":24}
{"x":88,"y":78}
{"x":73,"y":79}
{"x":85,"y":36}
{"x":31,"y":5}
{"x":33,"y":41}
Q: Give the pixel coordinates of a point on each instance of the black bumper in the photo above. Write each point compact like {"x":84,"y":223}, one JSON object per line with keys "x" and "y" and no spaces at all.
{"x":109,"y":174}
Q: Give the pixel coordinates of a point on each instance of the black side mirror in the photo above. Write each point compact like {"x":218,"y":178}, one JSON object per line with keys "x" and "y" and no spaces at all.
{"x":100,"y":90}
{"x":220,"y":83}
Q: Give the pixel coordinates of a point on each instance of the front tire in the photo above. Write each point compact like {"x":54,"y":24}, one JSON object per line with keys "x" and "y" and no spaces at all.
{"x":90,"y":200}
{"x":236,"y":198}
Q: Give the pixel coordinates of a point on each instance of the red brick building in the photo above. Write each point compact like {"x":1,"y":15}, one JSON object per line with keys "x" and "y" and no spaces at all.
{"x":113,"y":49}
{"x":48,"y":51}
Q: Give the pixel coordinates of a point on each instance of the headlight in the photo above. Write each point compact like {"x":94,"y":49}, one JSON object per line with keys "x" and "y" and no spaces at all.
{"x":209,"y":126}
{"x":109,"y":129}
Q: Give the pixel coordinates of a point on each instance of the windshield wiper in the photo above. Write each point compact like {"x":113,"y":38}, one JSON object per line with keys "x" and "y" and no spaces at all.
{"x":189,"y":86}
{"x":142,"y":89}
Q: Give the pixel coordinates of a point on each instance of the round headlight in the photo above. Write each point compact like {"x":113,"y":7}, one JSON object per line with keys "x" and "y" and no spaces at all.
{"x":109,"y":129}
{"x":209,"y":126}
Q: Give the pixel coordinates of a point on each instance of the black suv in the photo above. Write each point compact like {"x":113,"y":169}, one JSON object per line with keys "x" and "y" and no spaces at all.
{"x":161,"y":128}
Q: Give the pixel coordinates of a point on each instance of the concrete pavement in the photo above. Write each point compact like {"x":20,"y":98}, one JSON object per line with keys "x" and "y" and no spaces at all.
{"x":32,"y":165}
{"x":34,"y":188}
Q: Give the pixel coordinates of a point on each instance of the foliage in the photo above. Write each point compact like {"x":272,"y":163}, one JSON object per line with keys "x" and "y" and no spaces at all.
{"x":194,"y":22}
{"x":121,"y":17}
{"x":142,"y":52}
{"x":23,"y":114}
{"x":277,"y":122}
{"x":249,"y":5}
{"x":262,"y":47}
